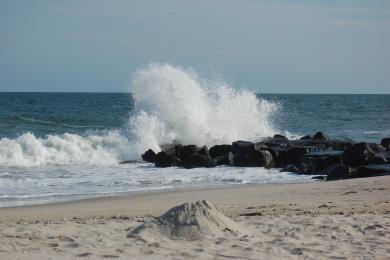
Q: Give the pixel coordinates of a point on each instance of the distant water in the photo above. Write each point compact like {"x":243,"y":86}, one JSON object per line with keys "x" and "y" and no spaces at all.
{"x":65,"y":146}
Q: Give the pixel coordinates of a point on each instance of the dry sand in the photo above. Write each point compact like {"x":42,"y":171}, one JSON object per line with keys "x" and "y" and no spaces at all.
{"x":338,"y":220}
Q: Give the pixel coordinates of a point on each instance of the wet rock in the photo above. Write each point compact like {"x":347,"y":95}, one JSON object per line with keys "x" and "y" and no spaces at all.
{"x":241,"y":146}
{"x":183,"y":152}
{"x":294,"y":154}
{"x":197,"y":160}
{"x":371,"y":170}
{"x":252,"y":158}
{"x":320,"y":136}
{"x":220,"y":150}
{"x":358,"y":154}
{"x":164,"y":159}
{"x":149,"y":156}
{"x":315,"y":162}
{"x":286,"y":155}
{"x":385,"y":142}
{"x":290,"y":168}
{"x":338,"y":172}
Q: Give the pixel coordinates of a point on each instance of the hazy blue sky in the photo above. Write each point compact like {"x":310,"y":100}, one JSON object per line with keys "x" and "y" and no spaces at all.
{"x":280,"y":46}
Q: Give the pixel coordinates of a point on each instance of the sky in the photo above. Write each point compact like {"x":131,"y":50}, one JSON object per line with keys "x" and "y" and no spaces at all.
{"x":279,"y":46}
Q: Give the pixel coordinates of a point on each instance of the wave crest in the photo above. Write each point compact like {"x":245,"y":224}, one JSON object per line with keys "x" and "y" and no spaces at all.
{"x":181,"y":107}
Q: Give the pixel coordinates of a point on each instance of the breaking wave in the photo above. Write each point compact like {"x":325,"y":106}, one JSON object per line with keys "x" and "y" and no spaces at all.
{"x":172,"y":104}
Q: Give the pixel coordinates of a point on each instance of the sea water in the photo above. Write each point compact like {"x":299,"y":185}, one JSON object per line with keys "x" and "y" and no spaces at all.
{"x":66,"y":146}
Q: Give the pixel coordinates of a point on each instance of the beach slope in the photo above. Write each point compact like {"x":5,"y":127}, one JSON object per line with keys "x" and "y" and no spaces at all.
{"x":322,"y":220}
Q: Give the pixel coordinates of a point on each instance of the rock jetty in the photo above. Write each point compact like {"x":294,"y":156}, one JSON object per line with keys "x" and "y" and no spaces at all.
{"x":313,"y":155}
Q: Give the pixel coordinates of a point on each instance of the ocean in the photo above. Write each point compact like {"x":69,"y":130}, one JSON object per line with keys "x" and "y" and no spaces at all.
{"x":67,"y":146}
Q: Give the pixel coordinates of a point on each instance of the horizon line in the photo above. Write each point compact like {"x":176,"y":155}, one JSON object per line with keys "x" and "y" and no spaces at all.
{"x":259,"y":93}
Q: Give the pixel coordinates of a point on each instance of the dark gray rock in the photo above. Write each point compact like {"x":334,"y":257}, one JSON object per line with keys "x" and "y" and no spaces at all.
{"x":385,"y":142}
{"x":371,"y":170}
{"x":320,"y":136}
{"x":240,"y":146}
{"x":338,"y":172}
{"x":220,"y":150}
{"x":295,"y":153}
{"x":358,"y":154}
{"x":197,"y":160}
{"x":252,"y":158}
{"x":306,"y":137}
{"x":149,"y":156}
{"x":182,"y":152}
{"x":290,"y":154}
{"x":164,"y":159}
{"x":315,"y":162}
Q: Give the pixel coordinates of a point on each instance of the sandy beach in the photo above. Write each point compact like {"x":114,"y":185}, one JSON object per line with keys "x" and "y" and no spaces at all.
{"x":347,"y":219}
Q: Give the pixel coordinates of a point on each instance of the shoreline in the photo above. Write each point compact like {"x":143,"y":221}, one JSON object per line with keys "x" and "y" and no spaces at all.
{"x":156,"y":190}
{"x":156,"y":202}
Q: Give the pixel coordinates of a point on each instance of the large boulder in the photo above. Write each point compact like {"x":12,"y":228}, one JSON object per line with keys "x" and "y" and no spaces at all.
{"x":358,"y":154}
{"x":220,"y":150}
{"x":149,"y":156}
{"x":252,"y":158}
{"x":371,"y":170}
{"x":315,"y":162}
{"x":240,"y":146}
{"x":338,"y":172}
{"x":201,"y":158}
{"x":164,"y":159}
{"x":197,"y":160}
{"x":293,"y":154}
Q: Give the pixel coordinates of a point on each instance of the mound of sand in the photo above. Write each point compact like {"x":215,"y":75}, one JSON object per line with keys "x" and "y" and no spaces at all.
{"x":189,"y":221}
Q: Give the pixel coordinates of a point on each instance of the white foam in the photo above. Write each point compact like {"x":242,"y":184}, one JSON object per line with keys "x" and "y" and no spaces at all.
{"x":171,"y":104}
{"x":28,"y":150}
{"x":48,"y":183}
{"x":175,"y":104}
